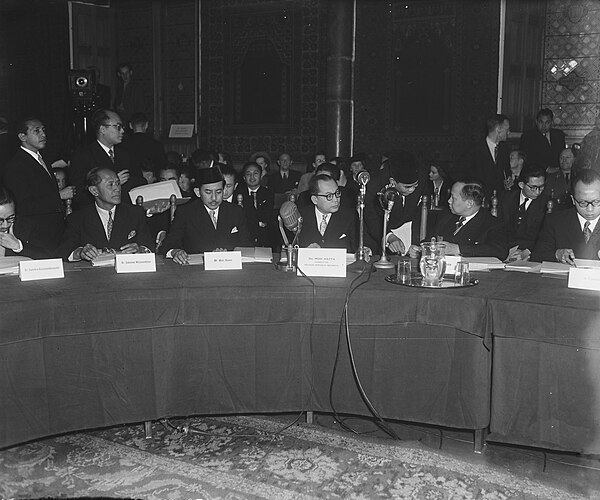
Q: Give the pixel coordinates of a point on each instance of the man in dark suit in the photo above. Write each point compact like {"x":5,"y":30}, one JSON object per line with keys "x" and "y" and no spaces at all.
{"x":469,"y":230}
{"x":206,"y":224}
{"x":488,"y":160}
{"x":523,"y":211}
{"x":333,"y":171}
{"x":257,"y":202}
{"x":143,"y":149}
{"x":128,"y":95}
{"x":401,"y":173}
{"x":325,"y":224}
{"x":17,"y":237}
{"x":107,"y":223}
{"x":573,"y":233}
{"x":558,"y":184}
{"x":34,"y":187}
{"x":286,"y":178}
{"x":543,"y":144}
{"x":105,"y":151}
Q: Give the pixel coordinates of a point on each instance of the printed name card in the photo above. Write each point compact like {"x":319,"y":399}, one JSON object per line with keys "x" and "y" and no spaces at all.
{"x":135,"y":263}
{"x":586,"y":278}
{"x":323,"y":262}
{"x":43,"y":269}
{"x":219,"y":261}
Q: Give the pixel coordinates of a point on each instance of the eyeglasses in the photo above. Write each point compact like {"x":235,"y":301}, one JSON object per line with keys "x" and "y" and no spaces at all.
{"x":118,"y":126}
{"x":585,"y":204}
{"x":329,"y":196}
{"x":9,"y":221}
{"x":536,"y":188}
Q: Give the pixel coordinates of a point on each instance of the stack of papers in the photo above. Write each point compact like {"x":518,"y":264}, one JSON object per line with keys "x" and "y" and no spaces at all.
{"x":158,"y":191}
{"x":195,"y":259}
{"x":524,"y":266}
{"x":587,"y":263}
{"x":483,"y":263}
{"x":10,"y":265}
{"x":555,"y":268}
{"x":106,"y":259}
{"x":256,"y":254}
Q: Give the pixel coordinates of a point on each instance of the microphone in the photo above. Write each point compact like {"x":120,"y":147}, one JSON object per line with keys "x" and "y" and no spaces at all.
{"x":290,"y":216}
{"x":362,"y":177}
{"x":68,"y":206}
{"x":240,"y":200}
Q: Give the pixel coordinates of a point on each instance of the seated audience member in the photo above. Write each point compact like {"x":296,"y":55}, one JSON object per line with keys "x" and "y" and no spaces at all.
{"x":169,"y":172}
{"x":543,"y":143}
{"x":17,"y":236}
{"x":263,"y":160}
{"x":60,"y":174}
{"x":174,"y":158}
{"x":343,"y":166}
{"x":304,"y":198}
{"x":148,"y":172}
{"x":573,"y":233}
{"x":141,"y":146}
{"x":314,"y":162}
{"x":523,"y":212}
{"x":402,"y":174}
{"x":286,"y":178}
{"x":469,"y":230}
{"x":230,"y":178}
{"x":206,"y":224}
{"x":257,"y":201}
{"x":106,"y":151}
{"x":356,"y":164}
{"x":187,"y":177}
{"x":107,"y":223}
{"x":202,"y":159}
{"x":558,"y":184}
{"x":438,"y":185}
{"x":516,"y":161}
{"x":33,"y":186}
{"x":326,"y":224}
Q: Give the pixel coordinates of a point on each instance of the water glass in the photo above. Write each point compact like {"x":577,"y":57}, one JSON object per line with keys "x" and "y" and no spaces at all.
{"x":462,"y":276}
{"x":403,"y":272}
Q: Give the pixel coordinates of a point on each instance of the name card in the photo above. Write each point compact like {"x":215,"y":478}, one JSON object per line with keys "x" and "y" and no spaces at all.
{"x":584,"y":278}
{"x":323,"y":262}
{"x":218,"y":261}
{"x":451,"y":261}
{"x":135,"y":263}
{"x":43,"y":269}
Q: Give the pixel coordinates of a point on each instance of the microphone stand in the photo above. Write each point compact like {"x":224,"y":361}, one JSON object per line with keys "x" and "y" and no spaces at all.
{"x":359,"y":265}
{"x":384,"y":262}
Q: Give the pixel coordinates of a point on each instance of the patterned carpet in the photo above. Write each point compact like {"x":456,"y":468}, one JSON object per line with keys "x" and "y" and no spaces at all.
{"x":248,"y":457}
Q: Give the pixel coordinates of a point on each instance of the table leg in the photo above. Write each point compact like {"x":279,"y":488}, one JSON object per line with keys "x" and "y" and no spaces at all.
{"x":148,"y":429}
{"x":479,"y":441}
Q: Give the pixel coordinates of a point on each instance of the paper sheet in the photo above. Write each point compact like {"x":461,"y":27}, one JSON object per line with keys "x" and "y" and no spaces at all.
{"x":404,"y":232}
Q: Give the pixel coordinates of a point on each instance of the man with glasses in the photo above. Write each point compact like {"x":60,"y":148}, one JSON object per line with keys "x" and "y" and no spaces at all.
{"x":106,"y":151}
{"x":573,"y":233}
{"x":523,"y":211}
{"x":17,"y":238}
{"x":326,"y":224}
{"x":31,"y":182}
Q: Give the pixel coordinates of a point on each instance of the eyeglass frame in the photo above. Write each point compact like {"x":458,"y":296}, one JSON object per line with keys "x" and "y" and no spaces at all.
{"x":329,"y":196}
{"x":118,"y":126}
{"x":9,"y":221}
{"x":585,"y":204}
{"x":539,"y":189}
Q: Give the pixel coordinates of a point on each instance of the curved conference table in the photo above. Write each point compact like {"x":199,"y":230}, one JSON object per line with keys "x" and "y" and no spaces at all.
{"x":97,"y":349}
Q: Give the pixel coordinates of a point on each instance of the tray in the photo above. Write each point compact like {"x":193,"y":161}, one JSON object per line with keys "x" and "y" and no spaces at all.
{"x":417,"y":282}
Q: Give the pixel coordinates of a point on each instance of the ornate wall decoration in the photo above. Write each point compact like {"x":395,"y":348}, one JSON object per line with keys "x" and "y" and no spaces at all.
{"x":448,"y":52}
{"x":571,"y":69}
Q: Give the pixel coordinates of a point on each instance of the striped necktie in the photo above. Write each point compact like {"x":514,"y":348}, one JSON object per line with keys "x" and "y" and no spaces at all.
{"x":109,"y":225}
{"x":587,"y":234}
{"x":213,"y":216}
{"x":323,"y":225}
{"x":459,"y":224}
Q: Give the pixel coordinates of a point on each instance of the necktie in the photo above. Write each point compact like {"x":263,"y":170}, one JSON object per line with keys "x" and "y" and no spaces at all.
{"x":323,"y":225}
{"x":522,"y":210}
{"x":213,"y":216}
{"x":42,"y":163}
{"x":109,"y":226}
{"x":495,"y":152}
{"x":548,"y":138}
{"x":254,"y":198}
{"x":587,"y":234}
{"x":459,"y":224}
{"x":111,"y":153}
{"x":567,"y":178}
{"x":284,"y":175}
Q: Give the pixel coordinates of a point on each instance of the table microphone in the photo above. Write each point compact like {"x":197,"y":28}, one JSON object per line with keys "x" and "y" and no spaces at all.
{"x":362,"y":177}
{"x":240,"y":200}
{"x":290,"y":216}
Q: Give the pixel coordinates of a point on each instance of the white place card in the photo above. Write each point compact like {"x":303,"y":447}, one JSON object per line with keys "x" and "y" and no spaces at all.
{"x":219,"y":261}
{"x":584,"y":278}
{"x":135,"y":263}
{"x":323,"y":262}
{"x":43,"y":269}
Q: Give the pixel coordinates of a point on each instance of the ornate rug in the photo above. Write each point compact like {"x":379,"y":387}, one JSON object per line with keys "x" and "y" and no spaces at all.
{"x":248,"y":457}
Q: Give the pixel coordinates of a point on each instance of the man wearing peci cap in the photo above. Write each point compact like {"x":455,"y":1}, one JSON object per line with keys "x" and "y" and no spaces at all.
{"x":401,"y":172}
{"x":206,"y":224}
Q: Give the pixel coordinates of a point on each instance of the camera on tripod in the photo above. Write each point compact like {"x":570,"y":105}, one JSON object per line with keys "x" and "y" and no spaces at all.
{"x":82,"y":83}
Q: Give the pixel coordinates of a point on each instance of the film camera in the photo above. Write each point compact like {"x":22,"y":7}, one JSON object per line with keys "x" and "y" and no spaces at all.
{"x":82,"y":82}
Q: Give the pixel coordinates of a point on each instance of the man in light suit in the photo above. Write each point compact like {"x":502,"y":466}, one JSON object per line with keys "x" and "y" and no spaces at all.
{"x":543,"y":144}
{"x":325,"y":224}
{"x":105,"y":151}
{"x":33,"y":186}
{"x":206,"y":224}
{"x":107,"y":223}
{"x":573,"y":233}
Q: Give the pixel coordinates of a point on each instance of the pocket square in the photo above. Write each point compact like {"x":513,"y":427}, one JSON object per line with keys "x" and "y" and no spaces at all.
{"x":131,"y":234}
{"x":234,"y":230}
{"x":342,"y":236}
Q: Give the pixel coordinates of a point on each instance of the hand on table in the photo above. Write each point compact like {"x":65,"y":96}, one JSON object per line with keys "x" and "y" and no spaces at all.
{"x":180,"y":256}
{"x":395,"y":244}
{"x":565,"y":256}
{"x":88,"y":252}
